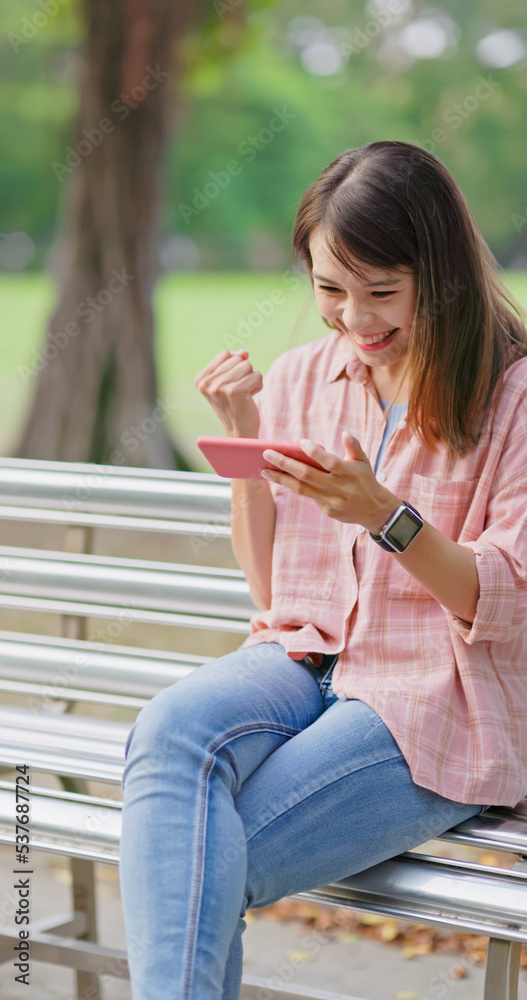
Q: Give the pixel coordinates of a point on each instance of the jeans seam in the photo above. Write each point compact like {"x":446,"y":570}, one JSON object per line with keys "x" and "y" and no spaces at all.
{"x":250,"y":727}
{"x":197,"y":879}
{"x":385,"y":760}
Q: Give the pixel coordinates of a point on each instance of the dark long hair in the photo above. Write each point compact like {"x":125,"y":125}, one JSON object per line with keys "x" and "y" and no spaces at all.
{"x":392,"y":204}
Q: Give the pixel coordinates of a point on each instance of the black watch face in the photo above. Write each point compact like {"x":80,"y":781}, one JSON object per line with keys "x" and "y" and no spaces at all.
{"x":405,"y":528}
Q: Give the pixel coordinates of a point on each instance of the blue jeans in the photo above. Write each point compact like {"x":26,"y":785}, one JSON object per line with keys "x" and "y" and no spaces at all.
{"x":245,"y":782}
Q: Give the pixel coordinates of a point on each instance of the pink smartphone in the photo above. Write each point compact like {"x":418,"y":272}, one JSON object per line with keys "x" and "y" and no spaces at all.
{"x":242,"y":458}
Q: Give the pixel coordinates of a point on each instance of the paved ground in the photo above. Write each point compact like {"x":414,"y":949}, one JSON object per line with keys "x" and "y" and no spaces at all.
{"x":285,"y":952}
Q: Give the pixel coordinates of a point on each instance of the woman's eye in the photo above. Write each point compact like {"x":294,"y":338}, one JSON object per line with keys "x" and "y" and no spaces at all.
{"x":331,"y":288}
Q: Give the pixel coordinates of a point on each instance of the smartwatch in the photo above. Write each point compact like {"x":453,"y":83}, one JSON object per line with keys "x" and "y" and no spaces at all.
{"x":400,"y":529}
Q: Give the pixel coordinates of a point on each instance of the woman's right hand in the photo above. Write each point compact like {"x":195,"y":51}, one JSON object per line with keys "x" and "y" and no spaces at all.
{"x":228,"y":382}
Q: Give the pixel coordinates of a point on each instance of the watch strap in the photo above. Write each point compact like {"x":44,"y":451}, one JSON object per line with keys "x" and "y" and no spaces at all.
{"x":380,"y":541}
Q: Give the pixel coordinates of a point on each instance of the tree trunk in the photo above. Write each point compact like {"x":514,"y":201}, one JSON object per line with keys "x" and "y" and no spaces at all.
{"x":96,"y":395}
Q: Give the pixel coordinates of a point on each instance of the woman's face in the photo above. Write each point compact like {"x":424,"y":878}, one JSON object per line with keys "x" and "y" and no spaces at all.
{"x":376,"y":314}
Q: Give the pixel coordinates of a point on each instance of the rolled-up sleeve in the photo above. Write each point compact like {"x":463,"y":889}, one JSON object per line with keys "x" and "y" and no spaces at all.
{"x":501,"y":612}
{"x":501,"y":563}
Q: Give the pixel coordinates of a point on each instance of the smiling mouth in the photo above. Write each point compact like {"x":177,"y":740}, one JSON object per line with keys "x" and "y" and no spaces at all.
{"x":381,"y":338}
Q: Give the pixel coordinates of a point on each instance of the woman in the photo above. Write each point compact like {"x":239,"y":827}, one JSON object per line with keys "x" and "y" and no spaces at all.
{"x":380,"y":697}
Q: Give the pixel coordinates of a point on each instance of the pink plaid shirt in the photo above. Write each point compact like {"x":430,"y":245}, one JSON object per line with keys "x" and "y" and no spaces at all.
{"x":453,"y":695}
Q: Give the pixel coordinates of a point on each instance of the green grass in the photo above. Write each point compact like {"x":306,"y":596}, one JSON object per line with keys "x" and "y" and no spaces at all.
{"x":198,"y":315}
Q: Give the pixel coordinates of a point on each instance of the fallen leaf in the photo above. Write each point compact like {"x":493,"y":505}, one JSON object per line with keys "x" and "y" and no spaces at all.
{"x":416,"y":949}
{"x":413,"y":938}
{"x":299,"y":956}
{"x":423,"y":934}
{"x":372,"y":918}
{"x":389,"y":930}
{"x":325,"y":921}
{"x":478,"y":955}
{"x":478,"y":940}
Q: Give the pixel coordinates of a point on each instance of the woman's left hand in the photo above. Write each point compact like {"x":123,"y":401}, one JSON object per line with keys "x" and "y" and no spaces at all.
{"x":348,"y":491}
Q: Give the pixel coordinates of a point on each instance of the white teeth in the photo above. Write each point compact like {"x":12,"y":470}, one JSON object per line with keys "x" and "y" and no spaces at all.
{"x":374,"y":340}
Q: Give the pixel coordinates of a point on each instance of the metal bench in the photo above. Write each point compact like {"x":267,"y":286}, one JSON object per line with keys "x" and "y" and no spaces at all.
{"x":49,"y":676}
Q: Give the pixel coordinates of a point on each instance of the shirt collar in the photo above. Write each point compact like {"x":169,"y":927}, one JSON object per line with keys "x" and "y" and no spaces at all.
{"x":345,"y":358}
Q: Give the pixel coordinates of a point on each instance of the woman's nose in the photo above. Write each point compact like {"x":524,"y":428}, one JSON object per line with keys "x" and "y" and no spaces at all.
{"x":354,"y":316}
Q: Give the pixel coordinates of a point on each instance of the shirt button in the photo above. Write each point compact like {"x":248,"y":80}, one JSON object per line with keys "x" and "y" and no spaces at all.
{"x":360,"y":529}
{"x":342,"y":697}
{"x":381,"y":477}
{"x":402,"y":424}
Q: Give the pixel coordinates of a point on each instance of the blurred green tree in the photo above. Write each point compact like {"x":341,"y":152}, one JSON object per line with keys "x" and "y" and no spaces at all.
{"x":96,"y":388}
{"x":97,"y":380}
{"x":368,"y":97}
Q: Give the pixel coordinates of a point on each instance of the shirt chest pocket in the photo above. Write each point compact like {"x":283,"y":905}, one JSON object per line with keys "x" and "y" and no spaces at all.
{"x":443,"y":503}
{"x":305,"y":549}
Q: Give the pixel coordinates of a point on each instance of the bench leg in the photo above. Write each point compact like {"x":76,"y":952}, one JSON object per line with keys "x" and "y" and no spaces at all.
{"x":503,"y":970}
{"x":84,"y":901}
{"x":83,"y":885}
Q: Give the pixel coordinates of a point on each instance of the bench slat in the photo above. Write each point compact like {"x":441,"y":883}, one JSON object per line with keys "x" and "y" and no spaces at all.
{"x":72,"y":746}
{"x":62,"y":664}
{"x":149,"y":591}
{"x":123,"y":613}
{"x":66,"y":728}
{"x":499,"y":829}
{"x":65,"y":823}
{"x":214,"y":530}
{"x":104,"y":579}
{"x":42,"y":696}
{"x":66,"y":765}
{"x":96,"y":489}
